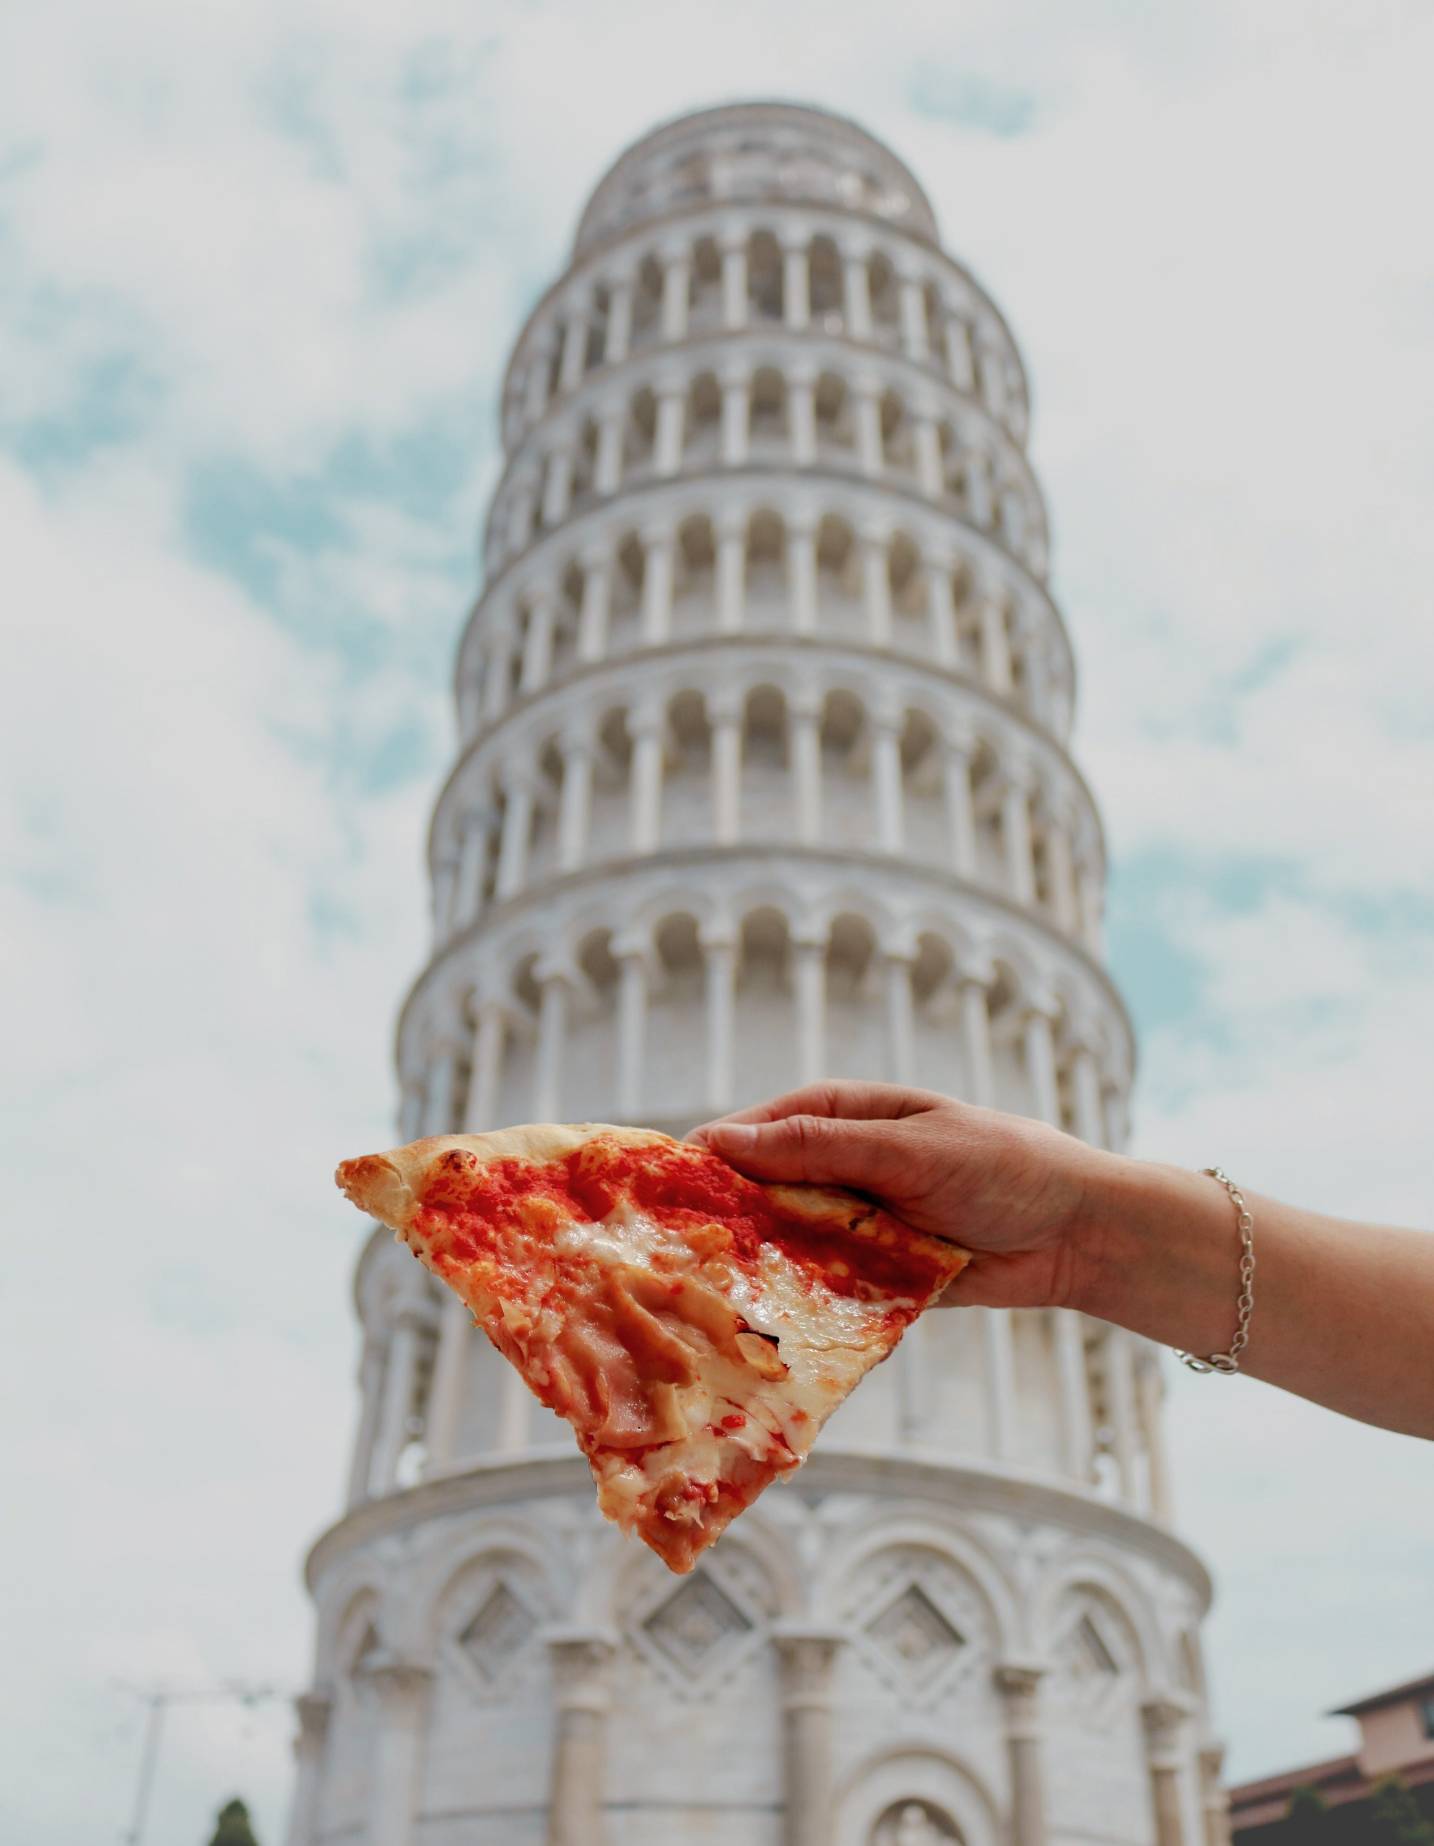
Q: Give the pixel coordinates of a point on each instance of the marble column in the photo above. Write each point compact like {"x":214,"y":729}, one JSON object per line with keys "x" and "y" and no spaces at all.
{"x":802,"y":414}
{"x":731,"y":569}
{"x":575,"y":803}
{"x":670,"y":427}
{"x":1214,"y":1802}
{"x":596,"y":604}
{"x":538,"y":646}
{"x":676,"y":287}
{"x":991,"y":373}
{"x":498,"y":683}
{"x":958,"y":353}
{"x":517,"y":832}
{"x":400,"y":1375}
{"x":581,"y":1664}
{"x":976,"y":1039}
{"x":726,"y":721}
{"x":370,"y":1405}
{"x":540,"y":367}
{"x":552,"y":1036}
{"x":796,"y":284}
{"x":941,"y":612}
{"x":995,"y":643}
{"x":914,"y":339}
{"x":876,"y":586}
{"x":659,"y":544}
{"x":886,"y":779}
{"x":647,"y":744}
{"x":736,"y":414}
{"x":472,"y":867}
{"x":575,"y":346}
{"x":1019,"y":1687}
{"x":927,"y":439}
{"x":607,"y":470}
{"x":1060,"y":869}
{"x":558,"y":484}
{"x":401,"y":1688}
{"x":957,"y":752}
{"x":809,"y":981}
{"x":313,"y":1709}
{"x":1016,"y":836}
{"x":445,"y":879}
{"x":1164,"y":1721}
{"x":856,"y":290}
{"x":805,"y":721}
{"x":900,"y":1018}
{"x":869,"y":447}
{"x":619,"y":320}
{"x":806,"y":1658}
{"x":720,"y":952}
{"x":734,"y":280}
{"x":1120,"y":1398}
{"x":802,"y":575}
{"x":1090,"y":901}
{"x":631,"y":1027}
{"x":980,"y":494}
{"x":455,"y":1334}
{"x":1150,"y":1396}
{"x":1086,"y":1096}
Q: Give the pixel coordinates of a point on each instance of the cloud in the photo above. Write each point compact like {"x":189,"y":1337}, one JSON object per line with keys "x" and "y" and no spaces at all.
{"x":258,"y":274}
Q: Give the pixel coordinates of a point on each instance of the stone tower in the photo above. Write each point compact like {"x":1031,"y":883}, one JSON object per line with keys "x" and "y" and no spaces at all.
{"x":762,"y":775}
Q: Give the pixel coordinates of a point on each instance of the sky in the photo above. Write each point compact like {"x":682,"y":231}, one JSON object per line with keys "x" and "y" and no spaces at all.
{"x":259,"y":269}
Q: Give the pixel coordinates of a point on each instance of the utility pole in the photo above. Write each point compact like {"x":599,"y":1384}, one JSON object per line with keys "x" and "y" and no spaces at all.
{"x":158,"y":1700}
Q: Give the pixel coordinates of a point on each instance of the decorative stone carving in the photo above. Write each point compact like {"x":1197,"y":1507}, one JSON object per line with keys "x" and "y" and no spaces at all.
{"x":696,"y":1624}
{"x":915,"y":1635}
{"x":501,"y":1627}
{"x":914,"y":1823}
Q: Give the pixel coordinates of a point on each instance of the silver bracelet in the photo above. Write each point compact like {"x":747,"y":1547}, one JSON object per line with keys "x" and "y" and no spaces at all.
{"x":1228,"y":1362}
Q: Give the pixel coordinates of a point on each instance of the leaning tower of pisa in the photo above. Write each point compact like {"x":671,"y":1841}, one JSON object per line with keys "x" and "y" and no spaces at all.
{"x":762,"y":775}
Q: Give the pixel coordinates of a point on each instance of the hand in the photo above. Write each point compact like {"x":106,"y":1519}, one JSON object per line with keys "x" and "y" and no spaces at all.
{"x":1012,"y":1191}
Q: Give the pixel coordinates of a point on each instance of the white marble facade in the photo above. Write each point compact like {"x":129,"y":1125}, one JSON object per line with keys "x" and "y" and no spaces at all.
{"x":762,"y":775}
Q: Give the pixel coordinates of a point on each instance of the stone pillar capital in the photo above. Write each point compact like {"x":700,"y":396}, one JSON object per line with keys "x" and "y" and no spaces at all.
{"x":581,"y":1661}
{"x":735,"y":374}
{"x":1019,"y":1681}
{"x":806,"y":1656}
{"x":397,"y":1681}
{"x":1162,"y":1717}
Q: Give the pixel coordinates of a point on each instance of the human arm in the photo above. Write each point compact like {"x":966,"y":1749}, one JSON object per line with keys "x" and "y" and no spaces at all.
{"x":1344,"y":1311}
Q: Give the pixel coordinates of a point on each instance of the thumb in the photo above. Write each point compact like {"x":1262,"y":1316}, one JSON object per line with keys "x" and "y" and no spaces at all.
{"x":821,"y":1149}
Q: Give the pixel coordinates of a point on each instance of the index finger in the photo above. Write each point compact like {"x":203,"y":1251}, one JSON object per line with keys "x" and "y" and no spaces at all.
{"x":870,"y":1102}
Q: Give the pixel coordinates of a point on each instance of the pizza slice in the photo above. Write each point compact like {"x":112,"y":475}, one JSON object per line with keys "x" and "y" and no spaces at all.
{"x":695,"y":1327}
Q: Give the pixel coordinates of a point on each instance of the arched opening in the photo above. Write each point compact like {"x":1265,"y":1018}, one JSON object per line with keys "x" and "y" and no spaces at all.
{"x":769,"y":433}
{"x":687,"y":784}
{"x":765,"y":1020}
{"x":839,"y":600}
{"x":767,"y":805}
{"x":898,"y":444}
{"x":825,"y":285}
{"x":764,"y":278}
{"x":647,"y":303}
{"x":938,"y":1048}
{"x":702,"y":442}
{"x":847,"y":804}
{"x":924,"y":790}
{"x":673,"y":1076}
{"x":625,"y":594}
{"x":639,"y":445}
{"x":916,"y":1823}
{"x":543,"y":847}
{"x":590,"y":1048}
{"x":694,"y":578}
{"x":610,"y":828}
{"x":836,"y":431}
{"x":705,"y":300}
{"x":885,"y":299}
{"x":910,"y":624}
{"x":855,"y":1044}
{"x":766,"y":576}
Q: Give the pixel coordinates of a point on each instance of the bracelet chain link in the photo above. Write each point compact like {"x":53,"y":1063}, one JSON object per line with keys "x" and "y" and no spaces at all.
{"x":1228,"y":1362}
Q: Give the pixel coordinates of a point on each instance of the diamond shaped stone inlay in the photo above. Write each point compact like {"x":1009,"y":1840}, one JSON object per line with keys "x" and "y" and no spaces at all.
{"x":496,"y":1632}
{"x":696,"y":1623}
{"x":914,"y":1634}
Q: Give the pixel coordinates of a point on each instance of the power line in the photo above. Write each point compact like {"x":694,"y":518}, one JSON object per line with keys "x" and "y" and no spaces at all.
{"x":158,"y":1700}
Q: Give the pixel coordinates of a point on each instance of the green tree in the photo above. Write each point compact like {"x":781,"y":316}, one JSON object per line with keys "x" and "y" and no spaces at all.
{"x":233,"y":1828}
{"x":1396,"y":1816}
{"x":1307,"y":1821}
